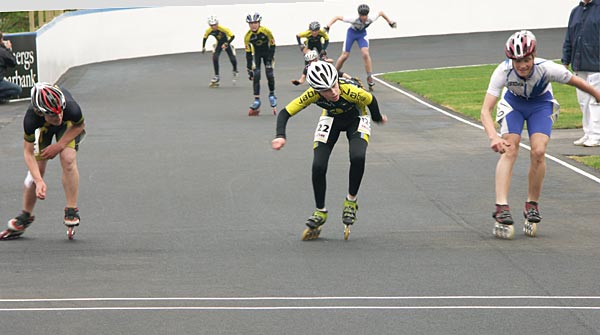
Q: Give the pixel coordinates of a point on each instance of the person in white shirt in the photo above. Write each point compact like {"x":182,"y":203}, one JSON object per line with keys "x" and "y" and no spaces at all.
{"x":526,"y":82}
{"x":358,"y":33}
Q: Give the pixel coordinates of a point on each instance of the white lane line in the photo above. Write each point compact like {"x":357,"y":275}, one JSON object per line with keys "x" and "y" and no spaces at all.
{"x":455,"y":297}
{"x":424,"y":103}
{"x":277,"y":308}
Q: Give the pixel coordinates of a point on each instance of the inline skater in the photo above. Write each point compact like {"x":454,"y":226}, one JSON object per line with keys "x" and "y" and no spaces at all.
{"x":52,"y":113}
{"x":313,"y":56}
{"x":344,"y":109}
{"x":314,"y":38}
{"x":358,"y":33}
{"x":528,"y":98}
{"x":260,"y":45}
{"x":224,"y":37}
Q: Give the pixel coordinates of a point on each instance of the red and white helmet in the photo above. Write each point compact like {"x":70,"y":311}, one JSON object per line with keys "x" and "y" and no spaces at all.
{"x":520,"y":45}
{"x":47,"y":98}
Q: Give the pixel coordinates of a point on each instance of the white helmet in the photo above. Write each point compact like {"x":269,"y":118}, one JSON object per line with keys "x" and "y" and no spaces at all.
{"x":212,"y":20}
{"x":311,"y":55}
{"x":321,"y":75}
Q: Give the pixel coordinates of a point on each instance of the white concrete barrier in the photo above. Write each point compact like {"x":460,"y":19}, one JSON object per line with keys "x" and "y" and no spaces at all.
{"x":89,"y":36}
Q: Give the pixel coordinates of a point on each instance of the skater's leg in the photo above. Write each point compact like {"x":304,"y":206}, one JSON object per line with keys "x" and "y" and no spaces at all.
{"x":70,"y":176}
{"x":319,"y":172}
{"x":232,"y":58}
{"x":215,"y":59}
{"x":341,"y":60}
{"x":270,"y":76}
{"x":358,"y":153}
{"x":504,"y":167}
{"x":537,"y":169}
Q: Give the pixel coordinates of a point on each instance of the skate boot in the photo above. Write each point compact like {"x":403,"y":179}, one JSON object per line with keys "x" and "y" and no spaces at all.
{"x":349,"y":216}
{"x":234,"y":78}
{"x":214,"y":82}
{"x":273,"y":102}
{"x":71,"y":220}
{"x":503,"y":227}
{"x":254,"y":108}
{"x":314,"y":223}
{"x":17,"y":226}
{"x":532,"y":218}
{"x":371,"y":83}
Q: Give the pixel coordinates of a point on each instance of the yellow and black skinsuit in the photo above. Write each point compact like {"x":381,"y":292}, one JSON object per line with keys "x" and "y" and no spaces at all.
{"x":262,"y":44}
{"x":346,"y":114}
{"x":223,"y":36}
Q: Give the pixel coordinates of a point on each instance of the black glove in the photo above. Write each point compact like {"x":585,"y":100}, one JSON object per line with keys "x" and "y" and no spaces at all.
{"x":250,"y":74}
{"x":323,"y":53}
{"x":326,"y":29}
{"x":295,"y":82}
{"x":393,"y":25}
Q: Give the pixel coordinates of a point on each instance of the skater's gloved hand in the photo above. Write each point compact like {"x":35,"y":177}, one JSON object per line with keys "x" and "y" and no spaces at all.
{"x":296,"y":82}
{"x":326,"y":29}
{"x":250,"y":74}
{"x":224,"y":46}
{"x":278,"y":143}
{"x":203,"y":50}
{"x":323,"y":53}
{"x":393,"y":24}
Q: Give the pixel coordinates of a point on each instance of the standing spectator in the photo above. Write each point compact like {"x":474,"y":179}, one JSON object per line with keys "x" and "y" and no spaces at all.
{"x":7,"y":59}
{"x":581,"y":50}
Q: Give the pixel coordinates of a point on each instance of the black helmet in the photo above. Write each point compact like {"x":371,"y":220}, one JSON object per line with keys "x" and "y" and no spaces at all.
{"x":363,"y":9}
{"x":314,"y":26}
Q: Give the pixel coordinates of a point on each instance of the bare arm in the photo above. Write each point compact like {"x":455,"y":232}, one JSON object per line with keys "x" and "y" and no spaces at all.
{"x":54,"y":149}
{"x":389,"y":21}
{"x":34,"y":170}
{"x":496,"y":142}
{"x":334,"y":20}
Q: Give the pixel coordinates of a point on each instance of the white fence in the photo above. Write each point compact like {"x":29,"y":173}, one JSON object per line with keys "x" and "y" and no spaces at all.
{"x":99,"y":35}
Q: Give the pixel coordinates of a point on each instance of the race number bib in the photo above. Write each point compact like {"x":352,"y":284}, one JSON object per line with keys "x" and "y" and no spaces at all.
{"x":364,"y":126}
{"x":502,"y":109}
{"x":323,"y":129}
{"x":36,"y":143}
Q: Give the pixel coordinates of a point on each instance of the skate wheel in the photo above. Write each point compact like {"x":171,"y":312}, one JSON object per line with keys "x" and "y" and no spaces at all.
{"x":530,"y":228}
{"x":346,"y":232}
{"x":70,"y":232}
{"x":274,"y":110}
{"x":504,"y":231}
{"x":253,"y":112}
{"x":311,"y":234}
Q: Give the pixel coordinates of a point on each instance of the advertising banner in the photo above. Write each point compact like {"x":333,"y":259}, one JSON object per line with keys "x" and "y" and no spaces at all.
{"x":25,"y":74}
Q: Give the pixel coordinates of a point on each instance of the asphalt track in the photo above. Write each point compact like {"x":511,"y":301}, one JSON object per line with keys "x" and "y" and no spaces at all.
{"x":191,"y":223}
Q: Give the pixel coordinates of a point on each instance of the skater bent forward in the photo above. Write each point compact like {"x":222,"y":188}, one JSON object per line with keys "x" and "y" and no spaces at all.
{"x":53,"y":113}
{"x":528,"y":98}
{"x":344,"y":109}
